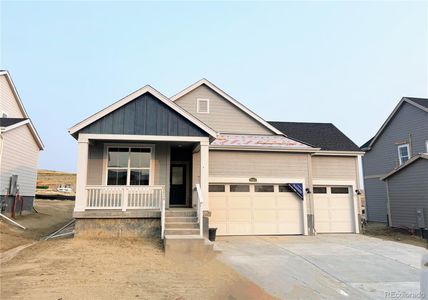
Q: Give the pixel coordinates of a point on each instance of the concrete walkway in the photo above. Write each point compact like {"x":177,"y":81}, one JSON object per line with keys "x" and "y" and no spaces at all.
{"x":339,"y":266}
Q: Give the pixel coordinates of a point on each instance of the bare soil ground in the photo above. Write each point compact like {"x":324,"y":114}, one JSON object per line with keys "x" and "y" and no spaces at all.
{"x":106,"y":268}
{"x":54,"y":179}
{"x":52,"y":215}
{"x":382,"y":231}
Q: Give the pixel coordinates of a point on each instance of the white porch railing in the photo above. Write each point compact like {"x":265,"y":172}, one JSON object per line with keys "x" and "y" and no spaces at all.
{"x":125,"y":197}
{"x":199,"y":202}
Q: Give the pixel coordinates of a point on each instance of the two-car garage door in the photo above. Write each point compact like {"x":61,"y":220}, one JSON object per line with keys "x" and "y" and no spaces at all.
{"x":250,"y":209}
{"x":264,"y":209}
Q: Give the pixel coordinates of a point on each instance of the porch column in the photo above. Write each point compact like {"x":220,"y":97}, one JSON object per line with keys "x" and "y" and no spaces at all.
{"x":82,"y":173}
{"x":204,"y":172}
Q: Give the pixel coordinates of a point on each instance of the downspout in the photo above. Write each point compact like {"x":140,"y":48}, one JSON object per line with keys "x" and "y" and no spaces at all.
{"x":309,"y":195}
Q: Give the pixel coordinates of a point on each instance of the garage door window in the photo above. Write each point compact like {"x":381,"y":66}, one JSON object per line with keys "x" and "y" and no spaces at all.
{"x":264,"y":188}
{"x":320,"y":190}
{"x":285,"y":189}
{"x":339,"y":190}
{"x":216,"y":188}
{"x":239,"y":188}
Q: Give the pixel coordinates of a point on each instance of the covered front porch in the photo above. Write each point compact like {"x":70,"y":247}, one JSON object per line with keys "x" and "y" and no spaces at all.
{"x":136,"y":176}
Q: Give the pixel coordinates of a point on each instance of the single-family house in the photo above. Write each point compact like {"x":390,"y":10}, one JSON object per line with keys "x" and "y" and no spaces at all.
{"x":172,"y":167}
{"x":20,"y":145}
{"x":395,"y":172}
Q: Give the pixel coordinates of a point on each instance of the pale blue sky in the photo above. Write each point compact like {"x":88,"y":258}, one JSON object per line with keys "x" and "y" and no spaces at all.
{"x":348,"y":63}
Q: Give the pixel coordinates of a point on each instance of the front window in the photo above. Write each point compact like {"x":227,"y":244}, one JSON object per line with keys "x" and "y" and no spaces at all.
{"x":128,"y":166}
{"x":403,"y":153}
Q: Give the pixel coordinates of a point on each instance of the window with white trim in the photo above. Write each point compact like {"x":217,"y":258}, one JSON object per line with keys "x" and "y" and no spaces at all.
{"x":426,"y":146}
{"x":128,"y":165}
{"x":203,"y":106}
{"x":403,"y":153}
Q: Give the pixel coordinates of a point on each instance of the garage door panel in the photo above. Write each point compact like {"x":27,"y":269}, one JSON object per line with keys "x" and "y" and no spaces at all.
{"x":290,"y":228}
{"x":218,"y":202}
{"x":239,"y":215}
{"x":289,"y":216}
{"x":265,"y":228}
{"x":266,"y":202}
{"x":264,"y":215}
{"x":333,"y":212}
{"x":256,"y":213}
{"x":239,"y":202}
{"x":239,"y":228}
{"x":218,"y":216}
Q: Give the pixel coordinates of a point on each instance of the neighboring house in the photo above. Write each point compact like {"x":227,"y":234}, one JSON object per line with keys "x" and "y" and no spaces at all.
{"x":148,"y":157}
{"x":388,"y":157}
{"x":19,"y":148}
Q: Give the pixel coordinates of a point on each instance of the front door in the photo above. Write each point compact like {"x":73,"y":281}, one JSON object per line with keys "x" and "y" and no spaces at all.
{"x":178,"y":185}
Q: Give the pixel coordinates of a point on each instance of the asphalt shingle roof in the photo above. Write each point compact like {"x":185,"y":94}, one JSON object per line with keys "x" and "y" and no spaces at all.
{"x":321,"y":135}
{"x":5,"y":122}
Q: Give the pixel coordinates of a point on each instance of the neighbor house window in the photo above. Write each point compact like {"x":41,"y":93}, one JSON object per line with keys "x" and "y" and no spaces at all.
{"x":128,"y":166}
{"x":403,"y":153}
{"x":426,"y":146}
{"x":203,"y":106}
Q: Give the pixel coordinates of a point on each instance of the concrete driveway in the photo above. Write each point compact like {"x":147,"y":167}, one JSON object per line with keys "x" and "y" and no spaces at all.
{"x":339,"y":266}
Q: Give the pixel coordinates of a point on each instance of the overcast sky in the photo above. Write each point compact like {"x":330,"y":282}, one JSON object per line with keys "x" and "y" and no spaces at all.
{"x":348,"y":63}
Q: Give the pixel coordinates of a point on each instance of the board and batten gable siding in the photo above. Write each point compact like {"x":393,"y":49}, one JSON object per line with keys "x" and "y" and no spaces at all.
{"x":383,"y":157}
{"x":8,"y":101}
{"x":408,"y":191}
{"x":145,"y":115}
{"x":240,"y":164}
{"x":223,"y":116}
{"x":20,"y":156}
{"x":334,"y":168}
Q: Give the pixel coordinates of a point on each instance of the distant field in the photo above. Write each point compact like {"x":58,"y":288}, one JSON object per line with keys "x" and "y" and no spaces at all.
{"x":52,"y":180}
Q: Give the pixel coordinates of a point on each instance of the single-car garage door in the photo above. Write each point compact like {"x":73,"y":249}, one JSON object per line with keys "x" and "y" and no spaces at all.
{"x":247,"y":209}
{"x":333,"y":209}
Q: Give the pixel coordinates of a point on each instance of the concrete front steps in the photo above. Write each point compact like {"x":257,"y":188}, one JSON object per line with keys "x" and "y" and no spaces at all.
{"x":182,"y":236}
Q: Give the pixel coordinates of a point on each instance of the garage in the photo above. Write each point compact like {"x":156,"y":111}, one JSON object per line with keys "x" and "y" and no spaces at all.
{"x":255,"y":209}
{"x":333,"y":209}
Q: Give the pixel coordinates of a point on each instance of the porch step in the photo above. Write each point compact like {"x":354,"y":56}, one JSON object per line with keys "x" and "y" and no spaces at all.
{"x":182,"y":231}
{"x":188,"y":245}
{"x":181,"y":225}
{"x":180,"y":213}
{"x":181,"y":219}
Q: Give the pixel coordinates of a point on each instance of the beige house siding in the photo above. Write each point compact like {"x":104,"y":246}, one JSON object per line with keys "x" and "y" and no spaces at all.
{"x":223,"y":116}
{"x":241,"y":164}
{"x":339,"y":168}
{"x":8,"y":102}
{"x":19,"y":157}
{"x":97,"y":165}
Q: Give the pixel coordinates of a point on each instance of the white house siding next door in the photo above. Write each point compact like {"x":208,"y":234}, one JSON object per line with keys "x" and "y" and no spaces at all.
{"x":333,"y":209}
{"x":248,"y":209}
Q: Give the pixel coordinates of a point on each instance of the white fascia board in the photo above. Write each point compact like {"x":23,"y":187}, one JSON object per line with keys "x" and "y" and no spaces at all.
{"x":404,"y":99}
{"x":32,"y":129}
{"x":84,"y":137}
{"x":338,"y":153}
{"x":228,"y":98}
{"x":15,"y":92}
{"x":134,"y":95}
{"x":258,"y":149}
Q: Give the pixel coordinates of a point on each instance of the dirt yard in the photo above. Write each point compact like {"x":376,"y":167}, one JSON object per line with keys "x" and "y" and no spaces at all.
{"x":117,"y":269}
{"x":52,"y":214}
{"x":52,"y":180}
{"x":384,"y":232}
{"x":104,"y":268}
